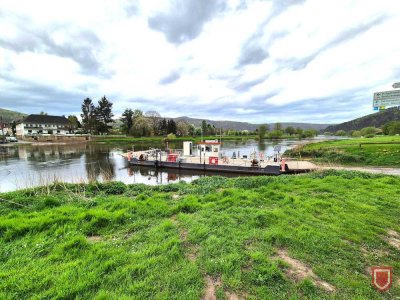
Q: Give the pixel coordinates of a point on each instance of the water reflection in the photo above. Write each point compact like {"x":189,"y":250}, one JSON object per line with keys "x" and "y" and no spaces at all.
{"x":26,"y":165}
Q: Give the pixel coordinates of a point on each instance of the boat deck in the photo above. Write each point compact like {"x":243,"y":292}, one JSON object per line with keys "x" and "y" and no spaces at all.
{"x":236,"y":165}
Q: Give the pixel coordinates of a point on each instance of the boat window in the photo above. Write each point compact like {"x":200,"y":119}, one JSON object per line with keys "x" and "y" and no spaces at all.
{"x":216,"y":149}
{"x":208,"y":148}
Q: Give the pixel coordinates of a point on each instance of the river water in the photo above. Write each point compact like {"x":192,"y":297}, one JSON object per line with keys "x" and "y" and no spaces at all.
{"x":24,"y":166}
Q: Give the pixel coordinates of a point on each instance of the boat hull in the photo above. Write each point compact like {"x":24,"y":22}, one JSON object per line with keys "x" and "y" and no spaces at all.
{"x":272,"y":170}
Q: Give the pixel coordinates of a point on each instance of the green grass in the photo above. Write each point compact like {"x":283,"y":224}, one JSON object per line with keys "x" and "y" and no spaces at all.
{"x":334,"y":222}
{"x":349,"y":152}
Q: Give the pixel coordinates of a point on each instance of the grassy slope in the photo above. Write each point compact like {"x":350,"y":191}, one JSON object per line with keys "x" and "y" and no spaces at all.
{"x":335,"y":222}
{"x":9,"y":115}
{"x":349,"y":152}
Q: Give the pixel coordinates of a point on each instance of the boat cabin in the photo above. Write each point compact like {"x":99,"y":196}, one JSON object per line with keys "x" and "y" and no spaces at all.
{"x":209,"y":148}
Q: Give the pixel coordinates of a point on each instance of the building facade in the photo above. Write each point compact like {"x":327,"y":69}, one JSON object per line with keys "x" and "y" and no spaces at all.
{"x":41,"y":125}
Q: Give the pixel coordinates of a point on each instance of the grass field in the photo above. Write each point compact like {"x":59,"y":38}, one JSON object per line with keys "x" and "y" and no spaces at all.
{"x":287,"y":237}
{"x":349,"y":152}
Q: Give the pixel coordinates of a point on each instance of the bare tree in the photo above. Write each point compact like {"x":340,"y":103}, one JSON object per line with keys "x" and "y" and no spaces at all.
{"x":154,"y":118}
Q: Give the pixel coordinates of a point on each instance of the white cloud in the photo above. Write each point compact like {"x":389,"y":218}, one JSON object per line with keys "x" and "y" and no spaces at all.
{"x":316,"y":52}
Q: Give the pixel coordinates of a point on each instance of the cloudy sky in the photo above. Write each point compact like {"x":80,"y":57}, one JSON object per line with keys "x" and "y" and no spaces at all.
{"x":257,"y":61}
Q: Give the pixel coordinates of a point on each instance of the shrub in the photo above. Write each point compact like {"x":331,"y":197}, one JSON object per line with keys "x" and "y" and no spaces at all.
{"x":171,"y":136}
{"x":369,"y":131}
{"x":340,"y":133}
{"x":113,"y":188}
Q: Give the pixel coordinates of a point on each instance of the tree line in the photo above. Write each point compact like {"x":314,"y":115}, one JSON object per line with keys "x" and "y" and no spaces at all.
{"x":99,"y":119}
{"x":389,"y":128}
{"x":277,"y":132}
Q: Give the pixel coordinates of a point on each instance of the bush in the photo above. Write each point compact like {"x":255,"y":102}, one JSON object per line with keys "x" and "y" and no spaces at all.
{"x":275,"y":134}
{"x":391,"y":128}
{"x":340,"y":133}
{"x":171,"y":136}
{"x":369,"y":131}
{"x":356,"y":133}
{"x":113,"y":188}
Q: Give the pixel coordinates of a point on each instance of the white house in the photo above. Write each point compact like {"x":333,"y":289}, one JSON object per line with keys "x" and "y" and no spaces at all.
{"x":34,"y":125}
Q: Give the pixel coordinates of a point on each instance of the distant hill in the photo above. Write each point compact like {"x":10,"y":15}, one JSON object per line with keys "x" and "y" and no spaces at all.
{"x":248,"y":126}
{"x":9,"y":115}
{"x":377,"y":120}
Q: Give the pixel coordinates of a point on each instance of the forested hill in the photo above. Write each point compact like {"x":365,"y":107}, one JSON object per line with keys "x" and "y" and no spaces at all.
{"x":377,"y":120}
{"x":248,"y":126}
{"x":9,"y":115}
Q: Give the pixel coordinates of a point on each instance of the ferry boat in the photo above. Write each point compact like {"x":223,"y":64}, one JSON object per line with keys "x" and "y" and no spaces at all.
{"x":207,"y":156}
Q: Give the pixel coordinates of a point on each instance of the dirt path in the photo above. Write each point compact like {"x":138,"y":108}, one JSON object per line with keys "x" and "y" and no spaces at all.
{"x":374,"y":170}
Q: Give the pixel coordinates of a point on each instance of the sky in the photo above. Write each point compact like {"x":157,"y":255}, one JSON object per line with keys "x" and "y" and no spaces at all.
{"x":255,"y":61}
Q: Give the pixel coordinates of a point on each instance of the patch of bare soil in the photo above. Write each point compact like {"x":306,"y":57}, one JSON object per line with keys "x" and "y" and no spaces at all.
{"x":373,"y":252}
{"x":393,"y":239}
{"x":212,"y":283}
{"x":191,"y":250}
{"x":94,"y":238}
{"x":298,"y":271}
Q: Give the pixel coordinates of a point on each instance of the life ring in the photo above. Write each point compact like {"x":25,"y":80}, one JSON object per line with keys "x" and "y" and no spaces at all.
{"x":213,"y":160}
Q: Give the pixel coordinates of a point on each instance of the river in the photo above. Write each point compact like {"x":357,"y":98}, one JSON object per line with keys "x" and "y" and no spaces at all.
{"x":24,"y":166}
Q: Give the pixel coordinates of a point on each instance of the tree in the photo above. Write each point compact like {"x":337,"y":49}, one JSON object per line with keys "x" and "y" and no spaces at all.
{"x":299,"y":131}
{"x":391,"y":128}
{"x":290,"y":130}
{"x":14,"y":128}
{"x":89,"y":115}
{"x":275,"y":134}
{"x":73,"y":123}
{"x":171,"y":126}
{"x":154,"y":118}
{"x":192,"y":130}
{"x":163,"y":127}
{"x":141,"y":127}
{"x":261,"y":131}
{"x":204,"y":127}
{"x":278,"y":126}
{"x":182,"y":128}
{"x":43,"y":113}
{"x":104,"y":115}
{"x":127,"y":120}
{"x":340,"y":133}
{"x":356,"y":133}
{"x":309,"y":133}
{"x":211,"y":130}
{"x":368,"y":131}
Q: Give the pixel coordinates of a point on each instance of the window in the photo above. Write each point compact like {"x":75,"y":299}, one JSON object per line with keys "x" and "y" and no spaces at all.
{"x":208,"y":149}
{"x":29,"y":131}
{"x":58,"y":131}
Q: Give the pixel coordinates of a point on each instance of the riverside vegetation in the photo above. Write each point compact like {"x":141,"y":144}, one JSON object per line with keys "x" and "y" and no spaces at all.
{"x":311,"y":237}
{"x":377,"y":151}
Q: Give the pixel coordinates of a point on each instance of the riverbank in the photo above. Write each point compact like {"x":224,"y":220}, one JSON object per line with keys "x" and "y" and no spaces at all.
{"x":310,"y":236}
{"x":129,"y":139}
{"x":380,"y":151}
